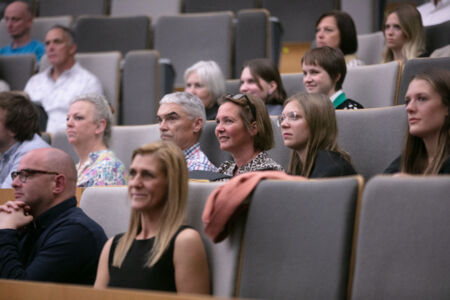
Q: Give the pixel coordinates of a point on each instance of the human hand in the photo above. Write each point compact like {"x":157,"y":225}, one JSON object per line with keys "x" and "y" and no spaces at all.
{"x":14,"y":214}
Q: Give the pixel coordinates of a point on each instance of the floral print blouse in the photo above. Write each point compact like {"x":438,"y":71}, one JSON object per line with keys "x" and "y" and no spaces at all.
{"x":102,"y":168}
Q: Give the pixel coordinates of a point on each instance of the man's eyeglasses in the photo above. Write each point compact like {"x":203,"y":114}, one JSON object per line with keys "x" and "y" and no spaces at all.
{"x":238,"y":100}
{"x":25,"y":173}
{"x":290,"y":117}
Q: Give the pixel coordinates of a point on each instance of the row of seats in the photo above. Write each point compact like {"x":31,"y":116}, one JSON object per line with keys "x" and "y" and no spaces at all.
{"x":184,"y":39}
{"x":372,"y":137}
{"x":320,"y":239}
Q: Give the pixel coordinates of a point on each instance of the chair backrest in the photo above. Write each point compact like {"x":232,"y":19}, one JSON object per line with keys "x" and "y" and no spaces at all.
{"x":279,"y":153}
{"x":140,"y":87}
{"x":59,"y":140}
{"x":151,"y":8}
{"x":108,"y":206}
{"x":373,"y":137}
{"x":195,"y":6}
{"x":293,"y":83}
{"x":125,"y":139}
{"x":370,"y":47}
{"x":114,"y":33}
{"x":223,"y":256}
{"x":74,"y":8}
{"x":437,"y":36}
{"x":298,"y":17}
{"x":298,"y":239}
{"x":402,"y":239}
{"x":232,"y":86}
{"x":252,"y":37}
{"x":106,"y":66}
{"x":374,"y":85}
{"x":39,"y":28}
{"x":210,"y":145}
{"x":417,"y":65}
{"x":17,"y":69}
{"x":188,"y":38}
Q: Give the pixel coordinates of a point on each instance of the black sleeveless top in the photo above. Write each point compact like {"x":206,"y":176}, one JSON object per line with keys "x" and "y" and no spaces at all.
{"x":133,"y":274}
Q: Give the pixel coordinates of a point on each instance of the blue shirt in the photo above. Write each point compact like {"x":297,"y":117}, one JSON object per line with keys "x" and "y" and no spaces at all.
{"x":9,"y":161}
{"x":34,"y":46}
{"x":61,"y":245}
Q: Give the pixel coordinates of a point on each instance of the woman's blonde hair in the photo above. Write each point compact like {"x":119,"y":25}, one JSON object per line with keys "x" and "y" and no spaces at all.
{"x":411,"y":25}
{"x":320,"y":116}
{"x":415,"y":157}
{"x":173,"y":166}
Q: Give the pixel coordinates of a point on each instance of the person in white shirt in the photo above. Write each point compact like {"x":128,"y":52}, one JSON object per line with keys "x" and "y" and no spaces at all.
{"x":59,"y":84}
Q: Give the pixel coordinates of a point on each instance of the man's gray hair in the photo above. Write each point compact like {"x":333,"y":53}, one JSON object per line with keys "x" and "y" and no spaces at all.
{"x":102,"y":110}
{"x":191,"y":104}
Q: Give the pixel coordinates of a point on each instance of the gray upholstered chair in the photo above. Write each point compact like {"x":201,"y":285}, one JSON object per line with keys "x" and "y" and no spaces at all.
{"x":223,"y":256}
{"x":195,"y":6}
{"x":403,"y":237}
{"x":124,"y":139}
{"x":370,"y":47}
{"x":210,"y":145}
{"x":374,"y":85}
{"x":16,"y":70}
{"x":232,"y":86}
{"x":104,"y":33}
{"x":252,"y":37}
{"x":108,"y":206}
{"x":59,"y":140}
{"x":373,"y":137}
{"x":74,"y":8}
{"x":39,"y":28}
{"x":188,"y":38}
{"x":141,"y":87}
{"x":293,"y":83}
{"x":298,"y":239}
{"x":104,"y":65}
{"x":279,"y":153}
{"x":417,"y":65}
{"x":437,"y":36}
{"x":151,"y":8}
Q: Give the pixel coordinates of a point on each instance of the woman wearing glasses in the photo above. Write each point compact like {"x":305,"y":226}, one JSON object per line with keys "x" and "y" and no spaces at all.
{"x":245,"y":131}
{"x":308,"y":126}
{"x":89,"y":130}
{"x":158,"y":252}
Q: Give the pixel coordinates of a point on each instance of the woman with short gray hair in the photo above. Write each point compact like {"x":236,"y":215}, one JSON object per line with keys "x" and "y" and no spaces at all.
{"x":89,"y":131}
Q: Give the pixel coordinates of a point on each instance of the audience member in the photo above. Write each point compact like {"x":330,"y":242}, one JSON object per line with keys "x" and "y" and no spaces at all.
{"x":181,"y":117}
{"x":19,"y":132}
{"x":44,"y":236}
{"x":205,"y":80}
{"x":59,"y":84}
{"x":336,"y":29}
{"x":427,"y":147}
{"x":19,"y":19}
{"x":308,"y":126}
{"x":324,"y":72}
{"x":403,"y":33}
{"x":157,"y":252}
{"x":245,"y":131}
{"x":260,"y":77}
{"x":89,"y":131}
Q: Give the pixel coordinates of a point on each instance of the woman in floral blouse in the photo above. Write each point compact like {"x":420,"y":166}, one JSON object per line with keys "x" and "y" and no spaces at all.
{"x":89,"y":130}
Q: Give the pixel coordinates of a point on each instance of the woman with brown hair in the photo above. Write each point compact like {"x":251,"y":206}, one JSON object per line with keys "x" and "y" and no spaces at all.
{"x":308,"y":126}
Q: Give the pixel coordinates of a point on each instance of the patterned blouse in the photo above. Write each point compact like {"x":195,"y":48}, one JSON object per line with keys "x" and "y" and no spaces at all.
{"x":102,"y":168}
{"x":262,"y":162}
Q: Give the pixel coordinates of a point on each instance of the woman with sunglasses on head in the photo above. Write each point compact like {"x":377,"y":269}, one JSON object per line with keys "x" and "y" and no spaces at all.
{"x":260,"y":78}
{"x":308,"y":126}
{"x":158,"y":252}
{"x":245,"y":131}
{"x":427,"y":147}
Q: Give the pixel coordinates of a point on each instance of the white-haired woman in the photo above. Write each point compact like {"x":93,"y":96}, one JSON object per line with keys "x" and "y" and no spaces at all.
{"x":205,"y":80}
{"x":89,"y":130}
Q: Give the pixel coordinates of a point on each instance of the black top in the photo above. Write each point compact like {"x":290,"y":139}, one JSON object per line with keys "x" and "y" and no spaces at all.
{"x":211,"y":112}
{"x":133,"y":274}
{"x":394,"y":167}
{"x":61,"y":245}
{"x":331,"y":164}
{"x":350,"y":104}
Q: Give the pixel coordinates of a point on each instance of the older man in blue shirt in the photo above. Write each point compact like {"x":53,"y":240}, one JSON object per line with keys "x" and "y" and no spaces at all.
{"x":44,"y":236}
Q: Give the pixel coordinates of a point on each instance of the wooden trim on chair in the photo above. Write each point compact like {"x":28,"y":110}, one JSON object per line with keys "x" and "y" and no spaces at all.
{"x":399,"y":79}
{"x":8,"y":194}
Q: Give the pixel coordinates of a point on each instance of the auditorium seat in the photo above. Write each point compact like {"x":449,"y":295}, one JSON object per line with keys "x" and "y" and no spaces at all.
{"x":298,"y":239}
{"x":403,"y":237}
{"x":16,"y":70}
{"x":196,"y":6}
{"x":370,"y":47}
{"x":151,"y":8}
{"x":210,"y":145}
{"x":293,"y":83}
{"x":74,"y":8}
{"x":188,"y":38}
{"x":437,"y":36}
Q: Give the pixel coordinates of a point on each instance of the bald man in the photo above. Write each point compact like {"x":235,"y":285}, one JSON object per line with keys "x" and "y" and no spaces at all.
{"x":19,"y":18}
{"x":44,"y":236}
